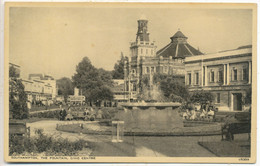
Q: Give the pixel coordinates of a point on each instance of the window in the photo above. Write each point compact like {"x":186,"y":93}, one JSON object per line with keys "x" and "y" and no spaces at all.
{"x":141,"y":51}
{"x":189,"y":79}
{"x":134,"y":87}
{"x":165,"y":69}
{"x":152,"y":52}
{"x":157,"y":69}
{"x":220,"y":76}
{"x":218,"y":97}
{"x":212,"y":77}
{"x":146,"y":51}
{"x":147,"y":70}
{"x":196,"y":78}
{"x":245,"y":74}
{"x":152,"y":69}
{"x":234,"y":74}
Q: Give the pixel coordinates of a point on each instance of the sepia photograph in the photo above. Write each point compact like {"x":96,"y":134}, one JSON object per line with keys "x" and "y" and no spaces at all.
{"x":130,"y":82}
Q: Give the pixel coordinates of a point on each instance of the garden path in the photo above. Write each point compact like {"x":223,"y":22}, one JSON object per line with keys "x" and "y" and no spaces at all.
{"x":142,"y":146}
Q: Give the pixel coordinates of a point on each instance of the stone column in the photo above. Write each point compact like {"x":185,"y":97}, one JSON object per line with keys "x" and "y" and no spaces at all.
{"x":192,"y":78}
{"x":202,"y":75}
{"x":249,"y":72}
{"x":224,"y":74}
{"x":206,"y":76}
{"x":228,"y":76}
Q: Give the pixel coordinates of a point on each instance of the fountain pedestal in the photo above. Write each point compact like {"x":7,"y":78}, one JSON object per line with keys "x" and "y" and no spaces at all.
{"x":151,"y":117}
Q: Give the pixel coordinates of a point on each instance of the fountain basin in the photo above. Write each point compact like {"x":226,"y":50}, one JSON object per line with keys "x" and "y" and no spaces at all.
{"x":161,"y":104}
{"x":150,"y":117}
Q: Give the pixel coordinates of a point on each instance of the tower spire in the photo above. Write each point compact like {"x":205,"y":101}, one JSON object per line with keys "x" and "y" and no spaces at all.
{"x":142,"y":32}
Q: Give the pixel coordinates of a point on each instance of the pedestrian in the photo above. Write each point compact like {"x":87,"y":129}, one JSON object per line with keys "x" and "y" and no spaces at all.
{"x":29,"y":105}
{"x":64,"y":114}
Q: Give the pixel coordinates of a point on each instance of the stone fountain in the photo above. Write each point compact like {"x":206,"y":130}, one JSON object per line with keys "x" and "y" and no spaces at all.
{"x":151,"y":116}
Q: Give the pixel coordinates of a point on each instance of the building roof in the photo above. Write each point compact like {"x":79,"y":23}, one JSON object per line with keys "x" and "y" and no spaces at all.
{"x":222,"y":55}
{"x":14,"y":65}
{"x":246,"y":46}
{"x":178,"y":48}
{"x":41,"y":76}
{"x":179,"y":34}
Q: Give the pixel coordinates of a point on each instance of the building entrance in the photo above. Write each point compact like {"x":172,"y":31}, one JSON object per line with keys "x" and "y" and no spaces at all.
{"x":237,"y":101}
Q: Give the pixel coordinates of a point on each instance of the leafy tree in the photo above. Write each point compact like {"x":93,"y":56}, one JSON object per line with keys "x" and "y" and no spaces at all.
{"x":92,"y":81}
{"x":102,"y":93}
{"x":65,"y":87}
{"x":165,"y":88}
{"x":173,"y":87}
{"x":13,"y":73}
{"x":105,"y":77}
{"x":118,"y":72}
{"x":202,"y":97}
{"x":17,"y":96}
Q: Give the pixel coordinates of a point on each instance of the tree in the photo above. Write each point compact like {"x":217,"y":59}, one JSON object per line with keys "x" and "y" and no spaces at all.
{"x":202,"y":97}
{"x":17,"y":96}
{"x":65,"y":87}
{"x":118,"y":72}
{"x":173,"y":87}
{"x":93,"y":82}
{"x":105,"y":77}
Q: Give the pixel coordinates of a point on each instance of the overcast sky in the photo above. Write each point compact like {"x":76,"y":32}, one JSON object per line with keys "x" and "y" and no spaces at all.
{"x":54,"y":40}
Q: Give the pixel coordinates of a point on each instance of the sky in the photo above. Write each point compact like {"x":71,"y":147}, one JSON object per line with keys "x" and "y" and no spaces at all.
{"x":53,"y":40}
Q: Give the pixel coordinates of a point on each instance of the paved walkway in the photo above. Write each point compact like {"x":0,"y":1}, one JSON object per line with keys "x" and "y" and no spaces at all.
{"x":171,"y":146}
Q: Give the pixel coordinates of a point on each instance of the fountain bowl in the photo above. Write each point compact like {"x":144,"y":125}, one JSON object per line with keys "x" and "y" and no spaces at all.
{"x":151,"y":117}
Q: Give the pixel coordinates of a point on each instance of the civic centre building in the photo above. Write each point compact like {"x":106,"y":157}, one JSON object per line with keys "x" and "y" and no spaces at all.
{"x":145,"y":60}
{"x":227,"y":74}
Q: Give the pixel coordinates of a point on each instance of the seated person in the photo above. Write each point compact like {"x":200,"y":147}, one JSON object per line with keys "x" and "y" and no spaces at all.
{"x":193,"y":115}
{"x":86,"y":112}
{"x":186,"y":115}
{"x":211,"y":114}
{"x":203,"y":114}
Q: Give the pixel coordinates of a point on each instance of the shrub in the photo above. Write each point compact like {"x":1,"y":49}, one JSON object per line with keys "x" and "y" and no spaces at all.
{"x":48,"y":114}
{"x":15,"y":144}
{"x":44,"y":143}
{"x":202,"y":97}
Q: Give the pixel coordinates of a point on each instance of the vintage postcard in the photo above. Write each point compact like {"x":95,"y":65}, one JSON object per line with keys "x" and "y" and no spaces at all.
{"x":130,"y":82}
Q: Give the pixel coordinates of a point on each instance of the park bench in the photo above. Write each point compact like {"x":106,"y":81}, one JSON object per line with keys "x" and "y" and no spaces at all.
{"x":241,"y":123}
{"x":19,"y":129}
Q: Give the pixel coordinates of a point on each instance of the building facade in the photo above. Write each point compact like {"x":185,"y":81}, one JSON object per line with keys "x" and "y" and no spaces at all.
{"x":48,"y":80}
{"x":120,"y":95}
{"x":145,"y":61}
{"x":37,"y":90}
{"x":227,"y":75}
{"x":40,"y":87}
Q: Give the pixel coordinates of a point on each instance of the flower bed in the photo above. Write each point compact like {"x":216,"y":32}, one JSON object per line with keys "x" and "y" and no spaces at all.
{"x":45,"y":145}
